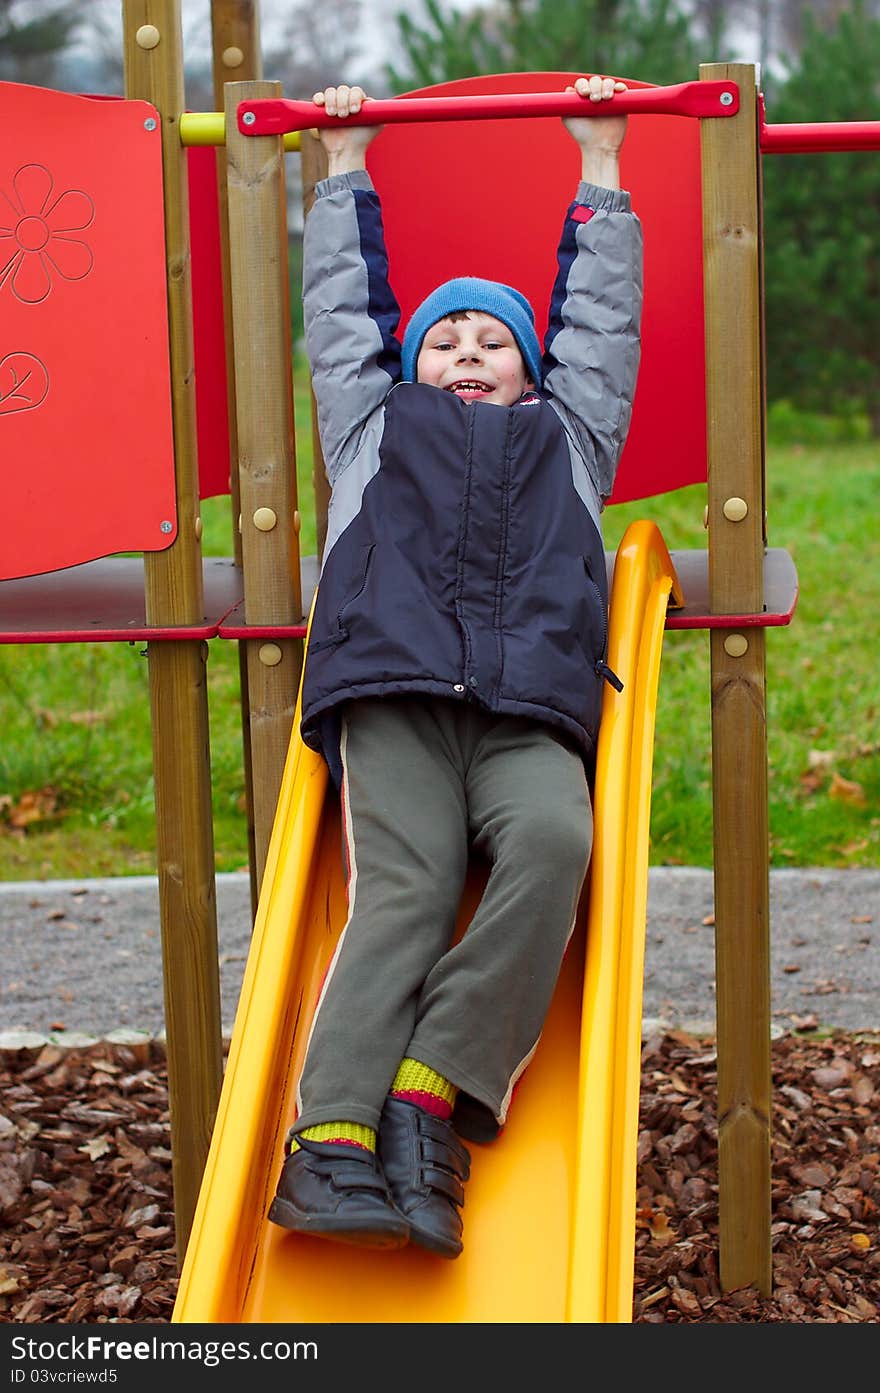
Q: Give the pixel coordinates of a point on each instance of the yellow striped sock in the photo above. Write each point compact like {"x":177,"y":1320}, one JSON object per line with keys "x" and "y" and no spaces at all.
{"x":418,"y":1083}
{"x":348,"y":1133}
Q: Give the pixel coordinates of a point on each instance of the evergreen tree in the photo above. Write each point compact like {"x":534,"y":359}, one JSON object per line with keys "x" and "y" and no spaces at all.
{"x":652,"y":40}
{"x":317,"y":45}
{"x":33,"y":42}
{"x":821,"y":220}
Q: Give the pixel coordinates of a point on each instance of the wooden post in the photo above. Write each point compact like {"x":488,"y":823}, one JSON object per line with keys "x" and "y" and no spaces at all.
{"x":235,"y":41}
{"x":734,"y":386}
{"x":178,"y":687}
{"x":266,"y":444}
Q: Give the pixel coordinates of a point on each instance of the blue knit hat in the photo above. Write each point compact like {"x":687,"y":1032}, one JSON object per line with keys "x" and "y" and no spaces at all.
{"x":471,"y":293}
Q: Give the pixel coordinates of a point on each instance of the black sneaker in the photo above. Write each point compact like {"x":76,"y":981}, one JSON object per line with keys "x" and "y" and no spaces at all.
{"x":425,"y":1166}
{"x":335,"y":1191}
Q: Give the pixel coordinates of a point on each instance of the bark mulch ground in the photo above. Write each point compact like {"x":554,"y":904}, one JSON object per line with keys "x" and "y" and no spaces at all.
{"x":88,"y":1225}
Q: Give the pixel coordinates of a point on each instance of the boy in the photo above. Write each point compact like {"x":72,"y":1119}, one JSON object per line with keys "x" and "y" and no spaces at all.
{"x":453,"y":678}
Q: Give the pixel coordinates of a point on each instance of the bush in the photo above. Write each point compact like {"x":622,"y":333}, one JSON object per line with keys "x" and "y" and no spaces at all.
{"x":789,"y":425}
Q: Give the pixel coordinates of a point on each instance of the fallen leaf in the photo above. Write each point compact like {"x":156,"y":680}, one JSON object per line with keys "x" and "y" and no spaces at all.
{"x":804,"y":1022}
{"x":808,"y":1206}
{"x":851,"y":849}
{"x":33,"y":806}
{"x":820,"y":759}
{"x":661,"y":1231}
{"x":847,"y":790}
{"x":96,"y":1147}
{"x":811,"y":780}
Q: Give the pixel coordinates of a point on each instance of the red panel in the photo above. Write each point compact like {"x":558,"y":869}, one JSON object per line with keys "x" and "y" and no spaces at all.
{"x":86,"y":438}
{"x":486,"y":198}
{"x":209,"y":349}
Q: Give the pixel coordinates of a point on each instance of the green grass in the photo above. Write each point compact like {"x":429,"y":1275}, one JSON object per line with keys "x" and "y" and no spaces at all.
{"x":77,"y":753}
{"x":823,"y":690}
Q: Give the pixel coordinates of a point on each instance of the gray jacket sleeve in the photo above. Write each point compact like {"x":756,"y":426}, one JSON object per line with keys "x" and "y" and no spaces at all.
{"x":349,"y":310}
{"x":592,"y":344}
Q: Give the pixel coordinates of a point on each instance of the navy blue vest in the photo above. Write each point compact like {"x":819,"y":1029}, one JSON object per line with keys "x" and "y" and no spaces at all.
{"x":472,"y":571}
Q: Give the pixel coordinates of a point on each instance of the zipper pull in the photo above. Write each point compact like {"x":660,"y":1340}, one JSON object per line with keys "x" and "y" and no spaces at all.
{"x":603,"y":670}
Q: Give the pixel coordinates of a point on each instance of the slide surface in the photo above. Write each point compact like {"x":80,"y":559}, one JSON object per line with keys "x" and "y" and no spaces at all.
{"x":549,"y":1215}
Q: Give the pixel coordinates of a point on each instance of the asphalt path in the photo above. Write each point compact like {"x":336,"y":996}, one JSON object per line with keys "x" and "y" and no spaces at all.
{"x":83,"y":958}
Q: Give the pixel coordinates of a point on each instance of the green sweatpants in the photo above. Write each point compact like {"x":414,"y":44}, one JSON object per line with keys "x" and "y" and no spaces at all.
{"x":426,"y":781}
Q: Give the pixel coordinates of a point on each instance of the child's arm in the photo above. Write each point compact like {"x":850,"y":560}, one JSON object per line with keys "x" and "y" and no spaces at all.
{"x":599,"y":137}
{"x":349,"y":310}
{"x":592,"y":344}
{"x":346,"y":146}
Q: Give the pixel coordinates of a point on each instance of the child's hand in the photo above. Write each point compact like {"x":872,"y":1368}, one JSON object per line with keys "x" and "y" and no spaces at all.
{"x":345,"y":146}
{"x":597,"y":132}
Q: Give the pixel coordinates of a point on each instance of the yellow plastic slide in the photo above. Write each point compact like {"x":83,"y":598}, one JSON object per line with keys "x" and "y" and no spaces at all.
{"x":573,"y":1124}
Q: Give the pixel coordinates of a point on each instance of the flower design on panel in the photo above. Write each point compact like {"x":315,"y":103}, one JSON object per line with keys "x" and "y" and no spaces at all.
{"x":36,"y":234}
{"x":24,"y":382}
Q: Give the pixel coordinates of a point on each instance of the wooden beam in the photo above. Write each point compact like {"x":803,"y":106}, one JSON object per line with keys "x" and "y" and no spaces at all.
{"x":235,"y":44}
{"x":266,"y":442}
{"x":178,"y":687}
{"x":734,"y":394}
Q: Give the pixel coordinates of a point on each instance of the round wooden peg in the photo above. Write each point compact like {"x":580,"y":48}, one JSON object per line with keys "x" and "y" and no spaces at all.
{"x":735,"y":509}
{"x":147,"y":36}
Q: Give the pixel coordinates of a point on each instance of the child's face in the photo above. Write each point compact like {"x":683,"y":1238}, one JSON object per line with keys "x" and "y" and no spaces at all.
{"x":475,"y":357}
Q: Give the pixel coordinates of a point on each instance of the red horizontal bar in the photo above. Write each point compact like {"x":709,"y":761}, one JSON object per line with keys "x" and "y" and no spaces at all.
{"x":277,"y":116}
{"x":813,"y":138}
{"x":234,"y":627}
{"x":764,"y":620}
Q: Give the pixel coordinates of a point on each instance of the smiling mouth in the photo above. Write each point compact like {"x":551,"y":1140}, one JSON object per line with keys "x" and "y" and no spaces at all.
{"x":470,"y":386}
